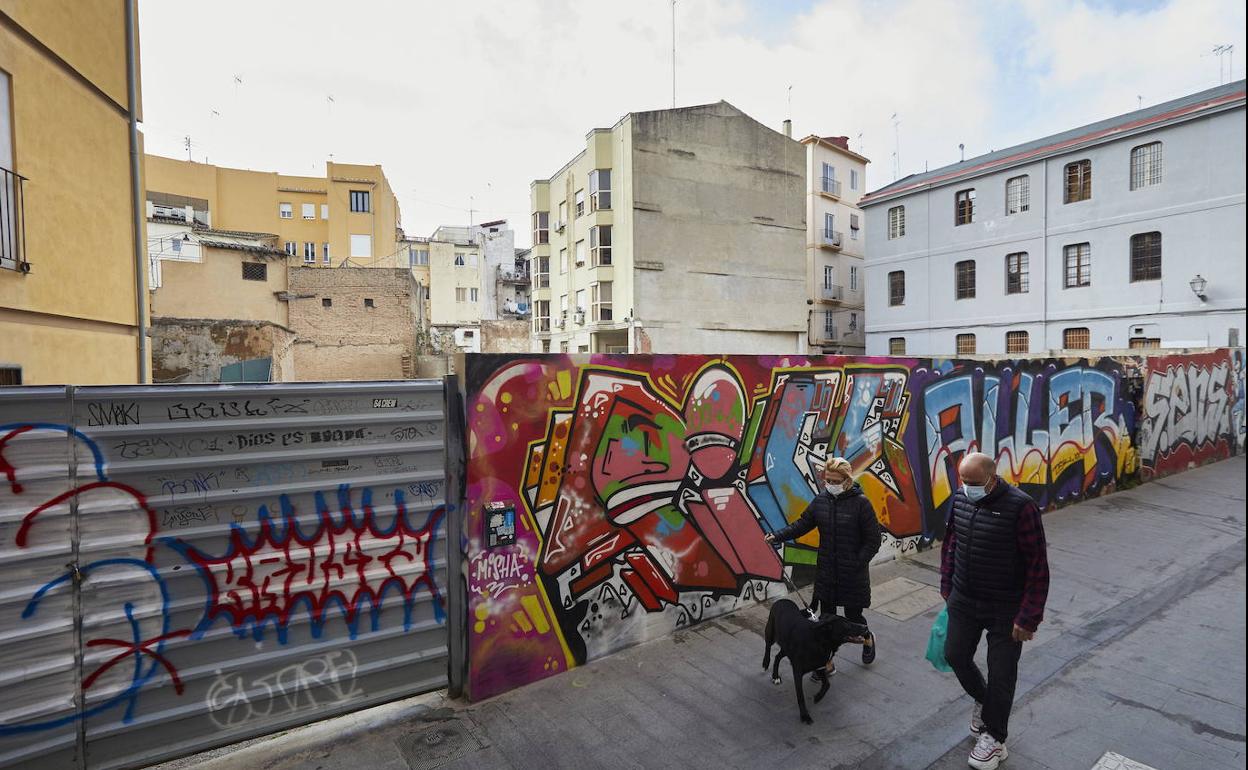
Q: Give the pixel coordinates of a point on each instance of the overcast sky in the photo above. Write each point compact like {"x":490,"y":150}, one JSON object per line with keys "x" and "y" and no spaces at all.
{"x":465,"y":103}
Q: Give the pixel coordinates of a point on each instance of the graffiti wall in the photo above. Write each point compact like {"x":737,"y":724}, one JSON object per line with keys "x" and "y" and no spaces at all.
{"x":1193,"y":411}
{"x":200,"y":565}
{"x":613,"y":499}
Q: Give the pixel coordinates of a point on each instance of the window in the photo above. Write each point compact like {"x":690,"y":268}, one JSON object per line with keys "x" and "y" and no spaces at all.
{"x":324,"y":211}
{"x":459,"y":259}
{"x":1017,"y":195}
{"x":1137,"y":343}
{"x":853,"y":179}
{"x":292,"y":248}
{"x":1078,"y":260}
{"x":563,"y":213}
{"x":10,"y":375}
{"x":309,"y":211}
{"x":12,"y":227}
{"x":541,"y":315}
{"x":965,"y":344}
{"x":541,"y":276}
{"x":1146,"y":165}
{"x":326,"y":302}
{"x":1016,"y":342}
{"x":600,"y":189}
{"x":472,"y":295}
{"x":563,"y":346}
{"x":964,"y":275}
{"x":829,"y":325}
{"x":360,"y":201}
{"x":325,"y":253}
{"x":419,"y":257}
{"x":461,"y":294}
{"x":309,"y":253}
{"x":361,"y":245}
{"x":829,"y":227}
{"x":853,"y":322}
{"x":541,"y":227}
{"x":964,"y":207}
{"x":828,"y":276}
{"x":580,"y":253}
{"x":255,"y":271}
{"x":1078,"y":181}
{"x":853,"y":279}
{"x":601,"y":299}
{"x":1146,"y":257}
{"x":286,"y":210}
{"x":1077,"y":338}
{"x":896,"y":222}
{"x":600,"y":245}
{"x":368,"y":302}
{"x":896,"y":346}
{"x":563,"y":306}
{"x":1016,"y":277}
{"x":853,"y":226}
{"x":563,"y":260}
{"x":828,"y":182}
{"x":897,"y":287}
{"x":580,"y":301}
{"x":580,"y":203}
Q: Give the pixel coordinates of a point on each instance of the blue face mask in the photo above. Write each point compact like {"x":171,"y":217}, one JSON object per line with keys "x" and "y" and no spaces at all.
{"x":974,"y":494}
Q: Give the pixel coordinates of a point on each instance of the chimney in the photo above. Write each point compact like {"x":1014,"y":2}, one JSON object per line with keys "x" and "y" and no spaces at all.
{"x":788,"y":128}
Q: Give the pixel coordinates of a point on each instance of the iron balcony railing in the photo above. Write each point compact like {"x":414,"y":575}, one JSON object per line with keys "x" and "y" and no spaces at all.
{"x":513,"y":276}
{"x":832,"y":238}
{"x":12,"y":221}
{"x":833,"y":293}
{"x":830,"y":186}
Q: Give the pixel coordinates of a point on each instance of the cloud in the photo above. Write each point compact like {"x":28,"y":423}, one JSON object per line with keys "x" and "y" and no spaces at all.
{"x":465,"y":104}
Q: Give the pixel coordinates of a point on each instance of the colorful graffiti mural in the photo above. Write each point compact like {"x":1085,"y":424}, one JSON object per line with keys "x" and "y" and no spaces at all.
{"x":1193,"y":411}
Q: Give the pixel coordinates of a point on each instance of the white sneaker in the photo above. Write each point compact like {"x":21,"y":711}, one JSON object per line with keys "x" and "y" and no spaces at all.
{"x":977,"y":719}
{"x":988,"y":753}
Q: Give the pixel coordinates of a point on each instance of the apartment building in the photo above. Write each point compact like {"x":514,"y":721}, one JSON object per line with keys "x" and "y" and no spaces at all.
{"x":71,"y":231}
{"x":674,"y":231}
{"x":349,"y":216}
{"x":1125,"y":233}
{"x":835,"y":245}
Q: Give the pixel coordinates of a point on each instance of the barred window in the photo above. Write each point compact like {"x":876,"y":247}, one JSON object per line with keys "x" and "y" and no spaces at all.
{"x":896,"y":222}
{"x":966,"y":344}
{"x":964,"y":275}
{"x":1077,"y":338}
{"x":1078,"y":257}
{"x":1016,"y":342}
{"x":1146,"y":257}
{"x":1078,"y":181}
{"x":897,"y":346}
{"x":897,"y":287}
{"x":1137,"y":343}
{"x":255,"y":271}
{"x":1016,"y":275}
{"x":1146,"y":165}
{"x":964,"y":207}
{"x":1017,"y":194}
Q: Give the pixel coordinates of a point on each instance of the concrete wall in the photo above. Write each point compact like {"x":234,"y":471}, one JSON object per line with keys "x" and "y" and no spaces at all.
{"x":616,"y":546}
{"x":1198,"y":208}
{"x":445,"y":277}
{"x":186,"y":350}
{"x":73,"y":317}
{"x":504,"y":336}
{"x":349,"y":340}
{"x":214,"y":288}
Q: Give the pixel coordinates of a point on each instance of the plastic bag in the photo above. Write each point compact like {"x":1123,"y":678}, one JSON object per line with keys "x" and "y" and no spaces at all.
{"x":936,"y":642}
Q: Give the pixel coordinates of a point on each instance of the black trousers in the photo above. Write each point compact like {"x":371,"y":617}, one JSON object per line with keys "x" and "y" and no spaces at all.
{"x":852,"y":614}
{"x":968,"y":620}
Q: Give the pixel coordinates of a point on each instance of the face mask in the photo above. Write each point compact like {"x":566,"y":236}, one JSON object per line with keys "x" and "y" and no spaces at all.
{"x":835,"y":489}
{"x":974,"y":494}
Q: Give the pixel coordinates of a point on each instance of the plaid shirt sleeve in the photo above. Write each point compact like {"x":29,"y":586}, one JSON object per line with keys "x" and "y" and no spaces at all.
{"x":948,"y":547}
{"x":1034,"y":551}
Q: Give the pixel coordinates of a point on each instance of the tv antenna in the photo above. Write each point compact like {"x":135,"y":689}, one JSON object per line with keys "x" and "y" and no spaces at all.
{"x":187,"y":143}
{"x":1229,"y":52}
{"x":896,"y":147}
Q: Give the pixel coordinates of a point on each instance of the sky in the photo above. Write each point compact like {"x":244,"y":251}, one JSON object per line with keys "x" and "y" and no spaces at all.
{"x":464,"y":104}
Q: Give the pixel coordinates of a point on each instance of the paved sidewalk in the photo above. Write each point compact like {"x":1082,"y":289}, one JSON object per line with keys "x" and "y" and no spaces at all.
{"x":1141,"y":654}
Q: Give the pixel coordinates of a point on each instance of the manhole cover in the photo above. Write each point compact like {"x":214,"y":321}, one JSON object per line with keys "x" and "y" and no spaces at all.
{"x":438,"y":744}
{"x":1112,"y":761}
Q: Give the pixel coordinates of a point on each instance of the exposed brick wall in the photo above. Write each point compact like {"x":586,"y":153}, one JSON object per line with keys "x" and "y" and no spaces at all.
{"x":194,"y":350}
{"x":505,"y":336}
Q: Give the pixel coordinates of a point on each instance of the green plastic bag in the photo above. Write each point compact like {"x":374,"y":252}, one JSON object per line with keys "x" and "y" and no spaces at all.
{"x":936,"y":642}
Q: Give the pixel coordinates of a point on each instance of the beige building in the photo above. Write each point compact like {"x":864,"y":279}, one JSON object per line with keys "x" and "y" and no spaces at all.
{"x":835,"y":245}
{"x":71,"y":230}
{"x":674,"y":231}
{"x":349,"y":216}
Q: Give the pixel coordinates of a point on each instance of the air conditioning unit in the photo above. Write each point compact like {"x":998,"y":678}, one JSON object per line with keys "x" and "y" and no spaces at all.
{"x":560,"y":322}
{"x":559,"y":225}
{"x":579,"y":317}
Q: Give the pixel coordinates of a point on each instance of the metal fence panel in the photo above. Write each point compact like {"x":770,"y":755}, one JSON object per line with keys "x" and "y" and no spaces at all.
{"x":254,"y":557}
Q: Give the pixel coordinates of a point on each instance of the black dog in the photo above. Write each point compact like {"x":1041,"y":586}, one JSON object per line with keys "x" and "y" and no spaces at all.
{"x":808,"y":644}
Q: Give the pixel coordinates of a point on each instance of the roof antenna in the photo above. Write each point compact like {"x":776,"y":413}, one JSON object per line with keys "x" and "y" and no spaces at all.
{"x":961,"y":152}
{"x":1139,"y":102}
{"x":859,"y":142}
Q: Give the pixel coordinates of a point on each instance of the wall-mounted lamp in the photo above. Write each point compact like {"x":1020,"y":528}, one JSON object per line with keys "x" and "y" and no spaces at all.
{"x":1198,"y":285}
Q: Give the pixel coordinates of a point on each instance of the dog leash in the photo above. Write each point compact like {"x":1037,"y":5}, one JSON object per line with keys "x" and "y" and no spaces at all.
{"x":793,"y":587}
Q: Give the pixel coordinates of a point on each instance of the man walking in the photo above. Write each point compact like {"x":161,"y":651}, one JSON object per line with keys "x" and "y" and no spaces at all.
{"x":994,"y":576}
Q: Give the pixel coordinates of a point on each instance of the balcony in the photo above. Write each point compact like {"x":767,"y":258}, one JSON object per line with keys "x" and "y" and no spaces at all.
{"x":832,"y":239}
{"x":12,"y":222}
{"x":832,"y":293}
{"x":830,"y":187}
{"x":515,"y":276}
{"x":823,"y":333}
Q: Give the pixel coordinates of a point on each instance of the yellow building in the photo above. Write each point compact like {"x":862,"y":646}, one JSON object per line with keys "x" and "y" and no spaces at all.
{"x":71,"y":267}
{"x":349,"y":215}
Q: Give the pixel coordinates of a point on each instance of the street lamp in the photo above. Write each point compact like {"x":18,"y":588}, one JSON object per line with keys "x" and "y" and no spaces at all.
{"x":1198,"y":285}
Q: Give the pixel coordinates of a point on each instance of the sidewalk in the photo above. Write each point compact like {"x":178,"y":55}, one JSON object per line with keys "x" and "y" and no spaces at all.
{"x":1141,"y":653}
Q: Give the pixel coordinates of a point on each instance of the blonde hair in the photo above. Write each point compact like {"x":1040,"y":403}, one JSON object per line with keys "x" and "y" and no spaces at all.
{"x":839,"y":464}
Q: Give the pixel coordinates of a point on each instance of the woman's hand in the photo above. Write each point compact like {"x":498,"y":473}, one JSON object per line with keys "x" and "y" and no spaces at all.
{"x":769,"y":538}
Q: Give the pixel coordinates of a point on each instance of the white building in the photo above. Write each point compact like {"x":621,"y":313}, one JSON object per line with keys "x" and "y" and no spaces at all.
{"x":1124,"y":233}
{"x":835,"y":245}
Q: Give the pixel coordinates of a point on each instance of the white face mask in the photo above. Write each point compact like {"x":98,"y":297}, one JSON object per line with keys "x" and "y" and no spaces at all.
{"x":974,"y":493}
{"x":834,"y":489}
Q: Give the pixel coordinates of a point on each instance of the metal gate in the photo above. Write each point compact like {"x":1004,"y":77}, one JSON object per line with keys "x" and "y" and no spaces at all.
{"x":186,"y":566}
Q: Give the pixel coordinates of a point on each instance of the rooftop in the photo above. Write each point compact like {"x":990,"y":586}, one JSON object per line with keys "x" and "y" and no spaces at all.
{"x":1104,"y":130}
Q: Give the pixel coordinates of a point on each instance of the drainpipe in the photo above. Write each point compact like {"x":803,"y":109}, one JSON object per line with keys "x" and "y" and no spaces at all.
{"x":136,"y":189}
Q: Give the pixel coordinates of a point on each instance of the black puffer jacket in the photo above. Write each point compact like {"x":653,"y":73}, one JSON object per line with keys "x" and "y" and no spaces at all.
{"x":987,"y":563}
{"x":849,"y":535}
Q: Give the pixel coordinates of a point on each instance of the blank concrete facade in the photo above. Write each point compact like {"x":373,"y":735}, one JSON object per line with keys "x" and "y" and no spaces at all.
{"x":1097,"y":238}
{"x":675,"y":231}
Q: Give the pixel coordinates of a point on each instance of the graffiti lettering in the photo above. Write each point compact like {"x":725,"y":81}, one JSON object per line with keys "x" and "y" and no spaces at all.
{"x":325,"y":680}
{"x":166,"y":448}
{"x":417,"y":431}
{"x":198,"y":485}
{"x":186,"y":516}
{"x":112,"y":413}
{"x":204,"y":410}
{"x":1189,"y":404}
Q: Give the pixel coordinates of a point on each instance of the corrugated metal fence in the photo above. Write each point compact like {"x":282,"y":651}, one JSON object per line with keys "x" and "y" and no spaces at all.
{"x":187,"y":566}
